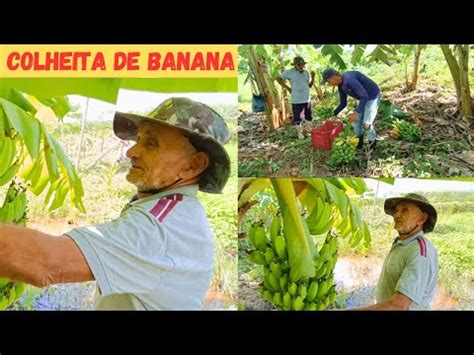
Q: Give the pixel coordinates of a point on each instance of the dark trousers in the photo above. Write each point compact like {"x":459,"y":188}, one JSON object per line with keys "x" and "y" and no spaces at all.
{"x":301,"y":111}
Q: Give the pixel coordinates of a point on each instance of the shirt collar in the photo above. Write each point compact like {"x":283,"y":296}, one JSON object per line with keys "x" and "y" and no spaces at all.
{"x":188,"y":190}
{"x":408,"y":240}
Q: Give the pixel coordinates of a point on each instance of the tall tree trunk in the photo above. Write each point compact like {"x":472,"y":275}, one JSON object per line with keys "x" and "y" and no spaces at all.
{"x":416,"y":69}
{"x":462,"y":52}
{"x":286,"y":109}
{"x":266,"y":84}
{"x":453,"y":68}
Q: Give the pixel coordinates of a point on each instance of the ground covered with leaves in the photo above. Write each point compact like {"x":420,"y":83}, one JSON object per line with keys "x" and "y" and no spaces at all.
{"x":445,"y":147}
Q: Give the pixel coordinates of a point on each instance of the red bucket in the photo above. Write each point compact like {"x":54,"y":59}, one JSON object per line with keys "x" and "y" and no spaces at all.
{"x":323,"y":136}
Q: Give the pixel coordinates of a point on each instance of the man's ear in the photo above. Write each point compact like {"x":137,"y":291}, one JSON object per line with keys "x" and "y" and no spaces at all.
{"x":197,"y":164}
{"x":425,"y":217}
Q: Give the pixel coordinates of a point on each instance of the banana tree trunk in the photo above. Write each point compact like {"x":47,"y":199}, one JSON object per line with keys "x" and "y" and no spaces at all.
{"x":286,"y":109}
{"x":416,"y":69}
{"x":453,"y":68}
{"x":266,"y":84}
{"x":462,"y":52}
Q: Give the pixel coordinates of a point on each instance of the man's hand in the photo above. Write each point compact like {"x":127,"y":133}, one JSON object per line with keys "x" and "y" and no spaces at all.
{"x":312,"y":74}
{"x":353,"y":117}
{"x":367,"y":126}
{"x":287,"y":88}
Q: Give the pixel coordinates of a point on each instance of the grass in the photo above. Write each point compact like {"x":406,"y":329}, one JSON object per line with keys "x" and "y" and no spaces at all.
{"x":107,"y":191}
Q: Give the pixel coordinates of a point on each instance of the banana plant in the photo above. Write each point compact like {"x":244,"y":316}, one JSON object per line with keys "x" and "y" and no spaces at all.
{"x":33,"y":154}
{"x":297,"y":274}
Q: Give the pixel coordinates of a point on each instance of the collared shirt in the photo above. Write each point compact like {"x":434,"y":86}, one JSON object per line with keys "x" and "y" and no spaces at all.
{"x":411,"y":268}
{"x":159,"y":254}
{"x":359,"y":86}
{"x":299,"y":85}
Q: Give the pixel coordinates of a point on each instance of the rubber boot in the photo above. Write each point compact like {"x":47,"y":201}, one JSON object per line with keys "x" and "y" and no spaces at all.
{"x":299,"y":131}
{"x":308,"y":126}
{"x":361,"y":142}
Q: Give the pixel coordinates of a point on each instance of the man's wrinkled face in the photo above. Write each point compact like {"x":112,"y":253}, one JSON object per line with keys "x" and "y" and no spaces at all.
{"x":408,"y":215}
{"x":334,"y":80}
{"x":158,"y":157}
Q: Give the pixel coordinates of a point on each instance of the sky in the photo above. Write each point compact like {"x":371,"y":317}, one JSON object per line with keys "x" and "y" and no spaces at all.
{"x":141,"y":101}
{"x":406,"y":185}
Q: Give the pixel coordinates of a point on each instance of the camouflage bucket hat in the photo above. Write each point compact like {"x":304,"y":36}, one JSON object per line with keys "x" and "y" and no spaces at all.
{"x":421,"y":201}
{"x":298,"y":60}
{"x":203,"y":126}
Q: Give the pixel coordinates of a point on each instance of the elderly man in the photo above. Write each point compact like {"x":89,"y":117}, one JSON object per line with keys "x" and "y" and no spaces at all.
{"x":410,"y":270}
{"x":159,"y":253}
{"x":364,"y":89}
{"x":301,"y":80}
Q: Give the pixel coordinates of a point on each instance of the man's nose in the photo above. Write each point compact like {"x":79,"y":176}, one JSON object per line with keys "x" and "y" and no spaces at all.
{"x":133,"y":151}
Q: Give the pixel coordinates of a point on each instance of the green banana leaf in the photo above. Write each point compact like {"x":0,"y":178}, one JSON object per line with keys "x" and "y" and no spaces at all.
{"x":108,"y":89}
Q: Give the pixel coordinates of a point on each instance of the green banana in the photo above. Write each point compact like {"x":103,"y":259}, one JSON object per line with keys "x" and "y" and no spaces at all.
{"x":276,"y":269}
{"x":274,"y":281}
{"x":260,"y":239}
{"x":331,"y":297}
{"x":251,"y":234}
{"x":277,"y":299}
{"x":302,"y":291}
{"x":312,"y":291}
{"x":323,"y":287}
{"x":267,"y":295}
{"x":321,"y":271}
{"x":298,"y":304}
{"x":284,"y":282}
{"x":9,"y":174}
{"x":280,"y":247}
{"x":287,"y":301}
{"x":292,"y":289}
{"x":257,"y":258}
{"x":269,"y":256}
{"x":8,"y":154}
{"x":275,"y":227}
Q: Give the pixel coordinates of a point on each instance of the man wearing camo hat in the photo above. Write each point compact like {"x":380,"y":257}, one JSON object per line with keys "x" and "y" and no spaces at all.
{"x":301,"y":80}
{"x":410,"y":271}
{"x":158,"y":255}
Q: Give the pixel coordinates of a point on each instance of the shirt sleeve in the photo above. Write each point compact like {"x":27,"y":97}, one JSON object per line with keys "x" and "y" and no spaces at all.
{"x":360,"y":92}
{"x":285,"y":75}
{"x":126,"y":255}
{"x":342,"y":102}
{"x":415,"y":276}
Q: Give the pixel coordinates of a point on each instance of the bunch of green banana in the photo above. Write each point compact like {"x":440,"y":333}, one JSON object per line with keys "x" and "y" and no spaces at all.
{"x":13,"y":210}
{"x":406,"y":130}
{"x":343,"y":152}
{"x":8,"y":165}
{"x":315,"y":293}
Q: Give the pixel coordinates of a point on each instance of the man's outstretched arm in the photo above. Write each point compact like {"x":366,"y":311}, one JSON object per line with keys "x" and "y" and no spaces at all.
{"x":40,"y":259}
{"x":399,"y":302}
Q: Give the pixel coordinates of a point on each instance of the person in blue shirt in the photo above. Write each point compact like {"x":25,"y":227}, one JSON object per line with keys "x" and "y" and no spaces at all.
{"x":362,"y":88}
{"x":301,"y":81}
